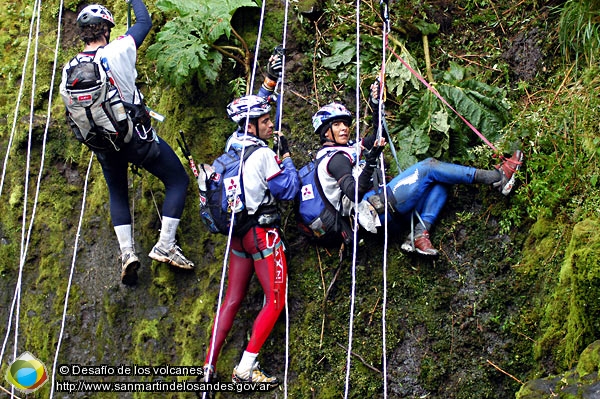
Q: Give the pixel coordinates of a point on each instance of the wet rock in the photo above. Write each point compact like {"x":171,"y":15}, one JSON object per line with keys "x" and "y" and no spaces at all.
{"x":571,"y":384}
{"x":525,"y":55}
{"x":591,"y":392}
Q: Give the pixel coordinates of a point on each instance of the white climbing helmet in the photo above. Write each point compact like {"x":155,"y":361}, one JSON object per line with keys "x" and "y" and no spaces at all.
{"x":93,"y":14}
{"x":250,"y":106}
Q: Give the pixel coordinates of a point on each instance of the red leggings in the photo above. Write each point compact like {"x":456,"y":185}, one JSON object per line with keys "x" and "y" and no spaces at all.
{"x":259,"y":251}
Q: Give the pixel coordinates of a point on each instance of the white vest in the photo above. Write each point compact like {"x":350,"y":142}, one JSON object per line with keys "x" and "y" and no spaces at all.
{"x":259,"y":168}
{"x":331,"y":187}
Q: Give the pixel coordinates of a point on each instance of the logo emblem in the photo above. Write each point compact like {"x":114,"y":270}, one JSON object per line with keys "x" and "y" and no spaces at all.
{"x":307,"y":192}
{"x":27,"y":373}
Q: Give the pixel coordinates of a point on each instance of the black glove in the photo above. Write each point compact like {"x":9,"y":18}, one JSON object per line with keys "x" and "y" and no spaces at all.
{"x":281,"y":145}
{"x":275,"y":63}
{"x":372,"y":155}
{"x":374,"y":91}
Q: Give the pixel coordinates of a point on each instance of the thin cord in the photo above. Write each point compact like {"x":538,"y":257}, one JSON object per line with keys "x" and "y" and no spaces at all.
{"x":386,"y":30}
{"x":229,"y":235}
{"x":442,"y":99}
{"x":133,"y":209}
{"x":279,"y":118}
{"x":69,"y":283}
{"x":21,"y":88}
{"x":16,"y":114}
{"x":37,"y":7}
{"x":44,"y":140}
{"x":355,"y":232}
{"x":287,"y":340}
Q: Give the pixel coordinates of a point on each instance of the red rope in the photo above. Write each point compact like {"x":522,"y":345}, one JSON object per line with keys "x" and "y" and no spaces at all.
{"x":434,"y":91}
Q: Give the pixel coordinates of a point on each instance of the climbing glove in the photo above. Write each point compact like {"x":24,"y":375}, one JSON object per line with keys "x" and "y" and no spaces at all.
{"x":374,"y":91}
{"x":275,"y":63}
{"x":281,"y":145}
{"x":372,"y":155}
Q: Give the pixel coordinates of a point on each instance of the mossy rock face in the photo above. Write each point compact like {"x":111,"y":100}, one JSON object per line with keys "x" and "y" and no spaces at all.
{"x":573,"y":313}
{"x":589,"y":362}
{"x":580,"y":383}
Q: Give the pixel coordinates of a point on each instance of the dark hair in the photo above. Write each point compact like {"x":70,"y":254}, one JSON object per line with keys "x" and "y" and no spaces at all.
{"x":93,"y":32}
{"x":323,"y":129}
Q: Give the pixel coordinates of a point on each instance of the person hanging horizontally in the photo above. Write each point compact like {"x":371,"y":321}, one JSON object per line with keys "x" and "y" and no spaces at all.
{"x":256,"y":246}
{"x":106,"y":112}
{"x":420,"y":190}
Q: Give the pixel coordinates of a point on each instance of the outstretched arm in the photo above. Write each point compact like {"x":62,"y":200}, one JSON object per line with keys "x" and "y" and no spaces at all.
{"x":374,"y":99}
{"x":143,"y":22}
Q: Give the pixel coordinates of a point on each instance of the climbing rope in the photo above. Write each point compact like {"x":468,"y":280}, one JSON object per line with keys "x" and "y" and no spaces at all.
{"x":69,"y":283}
{"x":230,"y":233}
{"x":355,"y":230}
{"x":386,"y":29}
{"x":25,"y":232}
{"x":19,"y":96}
{"x":279,"y":118}
{"x":442,"y":99}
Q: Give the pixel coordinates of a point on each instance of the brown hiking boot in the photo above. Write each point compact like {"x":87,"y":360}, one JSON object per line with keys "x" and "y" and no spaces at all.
{"x":421,"y":244}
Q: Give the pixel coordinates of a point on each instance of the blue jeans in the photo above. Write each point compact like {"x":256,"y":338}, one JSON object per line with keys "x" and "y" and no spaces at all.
{"x":424,"y":187}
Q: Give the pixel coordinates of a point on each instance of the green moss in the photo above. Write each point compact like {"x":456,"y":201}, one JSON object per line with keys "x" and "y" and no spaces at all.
{"x":572,"y":314}
{"x":577,"y":383}
{"x":163,"y":283}
{"x":589,"y":361}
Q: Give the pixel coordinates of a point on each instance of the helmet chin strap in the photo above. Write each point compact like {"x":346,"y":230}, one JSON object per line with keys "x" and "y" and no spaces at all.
{"x":324,"y":138}
{"x":253,"y":122}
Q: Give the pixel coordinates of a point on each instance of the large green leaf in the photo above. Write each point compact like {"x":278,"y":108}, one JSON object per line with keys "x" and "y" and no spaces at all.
{"x":341,"y":53}
{"x":475,"y":108}
{"x":397,"y":74}
{"x":184,"y":47}
{"x":208,"y":7}
{"x":424,"y":114}
{"x":410,"y":142}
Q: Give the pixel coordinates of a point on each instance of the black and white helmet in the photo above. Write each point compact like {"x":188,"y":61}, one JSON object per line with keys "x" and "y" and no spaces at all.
{"x":251,"y":106}
{"x":94,"y":14}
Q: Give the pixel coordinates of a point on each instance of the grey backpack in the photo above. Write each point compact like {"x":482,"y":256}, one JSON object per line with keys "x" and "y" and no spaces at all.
{"x":95,"y":110}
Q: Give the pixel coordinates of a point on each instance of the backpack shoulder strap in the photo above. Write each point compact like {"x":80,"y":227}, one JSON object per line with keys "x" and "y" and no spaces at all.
{"x":326,"y":201}
{"x":250,"y":150}
{"x":343,"y":226}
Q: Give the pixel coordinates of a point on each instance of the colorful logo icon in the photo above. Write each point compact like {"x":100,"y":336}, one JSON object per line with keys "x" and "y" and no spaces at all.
{"x":27,"y":373}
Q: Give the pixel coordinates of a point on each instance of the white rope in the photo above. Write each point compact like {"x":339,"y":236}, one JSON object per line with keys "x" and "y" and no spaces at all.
{"x":229,"y":235}
{"x":384,"y":303}
{"x":287,"y":340}
{"x":386,"y":30}
{"x":24,"y":237}
{"x":19,"y":96}
{"x":355,"y":233}
{"x":279,"y":118}
{"x":283,"y":43}
{"x":69,"y":283}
